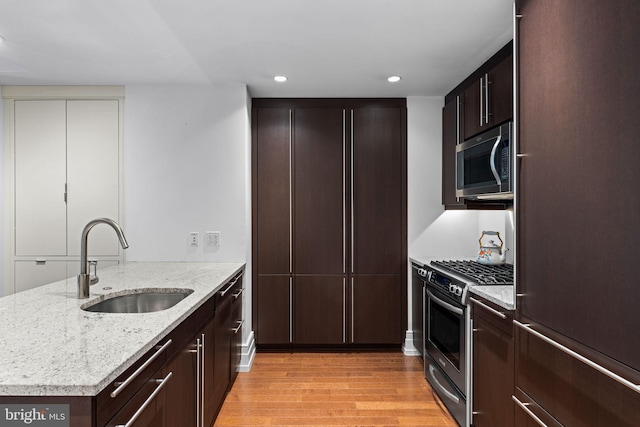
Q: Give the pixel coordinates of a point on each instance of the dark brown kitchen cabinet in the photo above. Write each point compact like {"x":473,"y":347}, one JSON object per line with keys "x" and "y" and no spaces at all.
{"x":147,"y":408}
{"x":319,"y":310}
{"x":488,"y":101}
{"x":272,"y":309}
{"x":377,"y":309}
{"x":493,"y":365}
{"x":578,"y":226}
{"x":377,"y":197}
{"x":450,"y":139}
{"x":319,"y":185}
{"x":557,"y":386}
{"x":338,"y":197}
{"x":577,"y":221}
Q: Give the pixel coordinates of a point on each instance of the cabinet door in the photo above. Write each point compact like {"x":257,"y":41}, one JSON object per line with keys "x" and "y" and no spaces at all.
{"x":319,"y":310}
{"x":222,"y":366}
{"x":210,"y":405}
{"x":377,"y":190}
{"x":92,"y":173}
{"x":578,"y":184}
{"x":450,"y":138}
{"x":273,"y":310}
{"x":473,"y":108}
{"x":181,"y":390}
{"x":237,"y":323}
{"x":500,"y":92}
{"x":272,"y":179}
{"x":319,"y":197}
{"x":376,"y":309}
{"x":417,"y":311}
{"x":40,"y":176}
{"x":493,"y":365}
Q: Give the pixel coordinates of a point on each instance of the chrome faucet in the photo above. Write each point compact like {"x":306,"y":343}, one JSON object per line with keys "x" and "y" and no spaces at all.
{"x":84,"y":278}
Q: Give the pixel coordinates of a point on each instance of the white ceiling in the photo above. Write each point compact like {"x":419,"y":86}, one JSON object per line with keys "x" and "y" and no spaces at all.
{"x":327,"y":48}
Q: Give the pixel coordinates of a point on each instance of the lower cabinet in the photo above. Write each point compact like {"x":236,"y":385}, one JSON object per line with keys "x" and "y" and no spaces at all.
{"x":562,"y":383}
{"x":193,"y":369}
{"x":147,"y":408}
{"x":493,"y":365}
{"x":329,"y":310}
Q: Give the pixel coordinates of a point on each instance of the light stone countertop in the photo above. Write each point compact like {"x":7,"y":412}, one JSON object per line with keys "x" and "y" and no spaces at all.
{"x":49,"y":346}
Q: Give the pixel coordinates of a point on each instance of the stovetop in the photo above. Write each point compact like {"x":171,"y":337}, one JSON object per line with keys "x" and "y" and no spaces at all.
{"x":481,"y":274}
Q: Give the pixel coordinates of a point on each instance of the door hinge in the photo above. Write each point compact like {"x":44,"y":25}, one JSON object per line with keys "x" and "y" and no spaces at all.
{"x":65,"y":192}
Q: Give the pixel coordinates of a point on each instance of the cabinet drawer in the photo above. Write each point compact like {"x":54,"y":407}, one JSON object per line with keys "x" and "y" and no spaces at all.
{"x":136,"y":377}
{"x":572,"y":392}
{"x":492,"y":313}
{"x":147,"y":408}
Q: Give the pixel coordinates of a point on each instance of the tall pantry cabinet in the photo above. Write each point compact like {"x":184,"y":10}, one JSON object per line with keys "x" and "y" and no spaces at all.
{"x":329,"y":221}
{"x":577,"y":352}
{"x":62,"y":169}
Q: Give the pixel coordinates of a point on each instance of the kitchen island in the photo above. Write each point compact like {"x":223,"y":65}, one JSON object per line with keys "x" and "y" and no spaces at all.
{"x":51,"y":347}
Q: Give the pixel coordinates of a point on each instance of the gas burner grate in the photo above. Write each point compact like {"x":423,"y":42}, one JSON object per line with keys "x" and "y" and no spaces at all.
{"x":482,"y":274}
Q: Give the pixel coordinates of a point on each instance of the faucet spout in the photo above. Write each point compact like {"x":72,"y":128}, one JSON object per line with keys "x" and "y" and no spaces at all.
{"x":84,"y":278}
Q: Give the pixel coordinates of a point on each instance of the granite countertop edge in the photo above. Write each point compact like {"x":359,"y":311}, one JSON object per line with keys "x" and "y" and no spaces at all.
{"x":51,"y":347}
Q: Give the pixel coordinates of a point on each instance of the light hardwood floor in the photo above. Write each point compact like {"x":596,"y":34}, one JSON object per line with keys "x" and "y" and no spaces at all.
{"x":333,"y":389}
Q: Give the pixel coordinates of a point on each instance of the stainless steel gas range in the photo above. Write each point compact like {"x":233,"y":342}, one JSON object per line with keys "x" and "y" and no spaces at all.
{"x":446,"y":326}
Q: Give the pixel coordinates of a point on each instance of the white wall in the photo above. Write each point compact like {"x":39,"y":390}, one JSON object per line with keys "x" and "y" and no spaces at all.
{"x":186,"y":169}
{"x":2,"y":231}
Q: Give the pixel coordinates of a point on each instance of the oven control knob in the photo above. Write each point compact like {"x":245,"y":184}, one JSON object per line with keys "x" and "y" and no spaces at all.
{"x":456,"y":290}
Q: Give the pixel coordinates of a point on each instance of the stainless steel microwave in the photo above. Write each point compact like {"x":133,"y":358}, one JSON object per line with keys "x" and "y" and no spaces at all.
{"x":484,"y":165}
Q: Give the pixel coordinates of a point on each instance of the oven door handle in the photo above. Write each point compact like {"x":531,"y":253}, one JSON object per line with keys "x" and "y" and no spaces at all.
{"x":440,"y":387}
{"x":445,"y":304}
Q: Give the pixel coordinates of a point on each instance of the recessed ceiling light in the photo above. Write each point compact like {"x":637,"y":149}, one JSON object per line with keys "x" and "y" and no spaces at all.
{"x":393,"y":79}
{"x":280,"y":78}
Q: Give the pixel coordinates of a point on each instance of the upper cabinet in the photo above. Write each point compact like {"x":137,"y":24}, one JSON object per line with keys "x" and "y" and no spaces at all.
{"x":488,"y":101}
{"x":481,"y":102}
{"x":63,"y":169}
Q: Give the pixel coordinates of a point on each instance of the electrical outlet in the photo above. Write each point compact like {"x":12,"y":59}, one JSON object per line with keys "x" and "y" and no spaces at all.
{"x":193,"y":239}
{"x":212,"y":239}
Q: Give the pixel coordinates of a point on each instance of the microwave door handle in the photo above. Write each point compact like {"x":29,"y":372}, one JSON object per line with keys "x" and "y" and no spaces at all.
{"x":492,"y":161}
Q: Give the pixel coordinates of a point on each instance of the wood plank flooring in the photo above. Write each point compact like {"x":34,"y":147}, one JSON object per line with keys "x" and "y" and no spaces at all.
{"x":333,"y":389}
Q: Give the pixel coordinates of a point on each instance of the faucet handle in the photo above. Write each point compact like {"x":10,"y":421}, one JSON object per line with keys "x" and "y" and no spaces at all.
{"x":93,"y":277}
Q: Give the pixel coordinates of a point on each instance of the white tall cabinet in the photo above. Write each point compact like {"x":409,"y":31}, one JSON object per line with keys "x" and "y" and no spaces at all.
{"x":63,"y":168}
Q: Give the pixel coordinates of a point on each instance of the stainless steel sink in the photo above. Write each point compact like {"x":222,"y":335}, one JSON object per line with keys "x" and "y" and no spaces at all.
{"x":140,"y":302}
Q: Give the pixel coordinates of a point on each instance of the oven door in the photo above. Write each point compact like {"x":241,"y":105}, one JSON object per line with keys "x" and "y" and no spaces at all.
{"x":445,"y":336}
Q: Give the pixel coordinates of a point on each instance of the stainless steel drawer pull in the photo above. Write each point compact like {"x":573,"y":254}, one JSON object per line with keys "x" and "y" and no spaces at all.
{"x":231,"y":284}
{"x":237,"y":294}
{"x":492,"y":310}
{"x":528,"y":411}
{"x":581,"y":358}
{"x":161,"y":383}
{"x":123,"y":385}
{"x":237,"y":329}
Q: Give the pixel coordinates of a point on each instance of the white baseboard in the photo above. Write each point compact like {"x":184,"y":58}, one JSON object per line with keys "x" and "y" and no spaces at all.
{"x":248,"y":353}
{"x":408,"y":348}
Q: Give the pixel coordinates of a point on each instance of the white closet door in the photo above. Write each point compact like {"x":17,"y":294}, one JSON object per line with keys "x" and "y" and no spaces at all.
{"x":92,"y":173}
{"x":40,"y":169}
